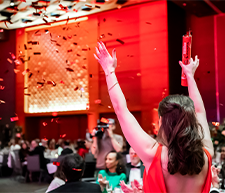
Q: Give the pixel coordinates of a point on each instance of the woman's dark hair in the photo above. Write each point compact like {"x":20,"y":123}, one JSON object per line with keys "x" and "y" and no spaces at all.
{"x":182,"y":134}
{"x":59,"y":173}
{"x":81,"y":144}
{"x":73,"y":167}
{"x":120,"y":168}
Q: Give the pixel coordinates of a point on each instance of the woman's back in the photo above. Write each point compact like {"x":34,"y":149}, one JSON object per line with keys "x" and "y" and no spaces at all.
{"x":172,"y":183}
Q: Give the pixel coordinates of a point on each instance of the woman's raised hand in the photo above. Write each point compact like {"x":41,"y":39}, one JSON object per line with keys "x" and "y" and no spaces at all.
{"x":107,"y":61}
{"x":189,"y":70}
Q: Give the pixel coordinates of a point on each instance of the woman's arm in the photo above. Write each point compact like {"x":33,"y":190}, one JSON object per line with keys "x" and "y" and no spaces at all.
{"x":140,"y":141}
{"x":194,"y":94}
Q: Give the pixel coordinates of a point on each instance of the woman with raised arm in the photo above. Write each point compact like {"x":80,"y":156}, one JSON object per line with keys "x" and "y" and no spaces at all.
{"x":180,"y":160}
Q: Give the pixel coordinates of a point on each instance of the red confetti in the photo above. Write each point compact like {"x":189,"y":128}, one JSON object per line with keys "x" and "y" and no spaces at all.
{"x":2,"y":87}
{"x":46,"y":21}
{"x":37,"y":53}
{"x":90,"y":75}
{"x":216,"y":123}
{"x":69,"y":37}
{"x":13,"y":56}
{"x":18,"y":62}
{"x":87,"y":106}
{"x":54,"y":114}
{"x":1,"y":101}
{"x":27,"y":94}
{"x":76,"y":88}
{"x":69,"y":50}
{"x":70,"y":69}
{"x":1,"y":79}
{"x":97,"y":6}
{"x":16,"y":71}
{"x":51,"y":82}
{"x":44,"y":124}
{"x":62,"y":82}
{"x":67,"y":20}
{"x":120,"y":41}
{"x":109,"y":34}
{"x":84,"y":67}
{"x":64,"y":38}
{"x":77,"y":169}
{"x":104,"y":120}
{"x":64,"y":135}
{"x":148,"y":23}
{"x":25,"y":71}
{"x":98,"y":101}
{"x":9,"y":60}
{"x":0,"y":118}
{"x":12,"y":119}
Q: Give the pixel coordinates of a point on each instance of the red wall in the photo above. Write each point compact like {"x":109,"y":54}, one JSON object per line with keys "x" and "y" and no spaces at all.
{"x":208,"y":44}
{"x":142,"y":67}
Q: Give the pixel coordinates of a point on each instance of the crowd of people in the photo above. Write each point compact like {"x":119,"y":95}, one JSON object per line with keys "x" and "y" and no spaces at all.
{"x":183,"y":157}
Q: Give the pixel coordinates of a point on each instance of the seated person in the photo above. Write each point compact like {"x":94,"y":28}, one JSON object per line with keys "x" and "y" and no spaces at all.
{"x":135,"y":169}
{"x":73,"y":168}
{"x":38,"y":150}
{"x":81,"y":149}
{"x":114,"y":172}
{"x":66,"y":148}
{"x":23,"y":157}
{"x":59,"y":179}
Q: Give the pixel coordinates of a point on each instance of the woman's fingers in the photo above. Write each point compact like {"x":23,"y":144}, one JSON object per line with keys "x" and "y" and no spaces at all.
{"x":181,"y":64}
{"x":96,"y":57}
{"x":97,"y":51}
{"x":114,"y":53}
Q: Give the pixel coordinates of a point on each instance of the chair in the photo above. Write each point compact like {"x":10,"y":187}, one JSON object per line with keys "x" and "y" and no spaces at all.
{"x":33,"y":165}
{"x":89,"y":171}
{"x":51,"y":168}
{"x":17,"y":164}
{"x":1,"y":162}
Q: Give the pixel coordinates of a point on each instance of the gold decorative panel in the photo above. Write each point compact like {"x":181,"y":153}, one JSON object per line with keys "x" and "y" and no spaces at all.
{"x":56,"y":76}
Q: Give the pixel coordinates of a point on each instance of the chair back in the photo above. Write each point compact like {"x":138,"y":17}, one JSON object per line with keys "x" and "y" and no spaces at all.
{"x":33,"y":163}
{"x":5,"y":159}
{"x":89,"y":157}
{"x":1,"y":159}
{"x":17,"y":163}
{"x":51,"y":168}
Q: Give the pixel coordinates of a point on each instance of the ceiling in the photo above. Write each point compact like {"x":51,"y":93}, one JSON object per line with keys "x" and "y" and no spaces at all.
{"x":24,"y":13}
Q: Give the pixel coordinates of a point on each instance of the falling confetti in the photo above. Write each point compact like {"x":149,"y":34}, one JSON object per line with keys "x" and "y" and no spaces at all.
{"x":12,"y":119}
{"x":16,"y":71}
{"x":1,"y":101}
{"x":9,"y":60}
{"x":70,"y":69}
{"x":98,"y":101}
{"x":76,"y":88}
{"x":44,"y":124}
{"x":148,"y":23}
{"x":87,"y":106}
{"x":2,"y":87}
{"x":120,"y":41}
{"x":90,"y":75}
{"x":37,"y":53}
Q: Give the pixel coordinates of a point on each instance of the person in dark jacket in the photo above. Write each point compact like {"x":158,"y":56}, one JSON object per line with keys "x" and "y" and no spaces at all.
{"x":23,"y":152}
{"x":73,"y":169}
{"x":39,"y":150}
